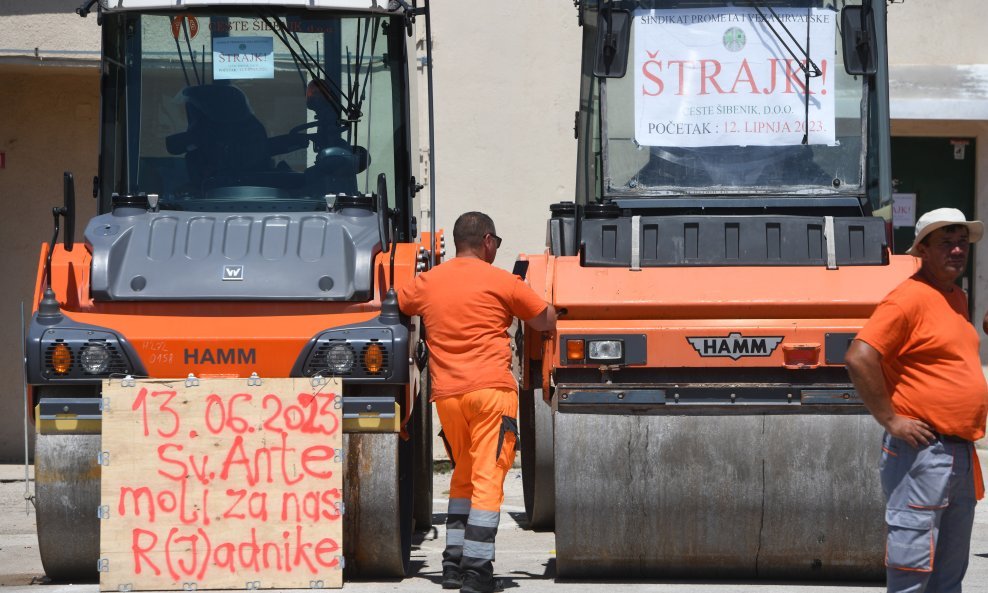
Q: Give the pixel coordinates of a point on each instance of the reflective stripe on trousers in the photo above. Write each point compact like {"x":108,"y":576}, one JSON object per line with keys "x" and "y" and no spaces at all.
{"x":456,"y":524}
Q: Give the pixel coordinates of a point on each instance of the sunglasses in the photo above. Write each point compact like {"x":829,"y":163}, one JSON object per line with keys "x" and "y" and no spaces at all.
{"x":497,"y":240}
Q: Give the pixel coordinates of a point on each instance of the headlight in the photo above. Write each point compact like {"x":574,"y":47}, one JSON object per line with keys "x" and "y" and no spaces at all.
{"x":78,"y":354}
{"x":95,"y":358}
{"x":605,"y":350}
{"x":339,"y":358}
{"x":357,"y":354}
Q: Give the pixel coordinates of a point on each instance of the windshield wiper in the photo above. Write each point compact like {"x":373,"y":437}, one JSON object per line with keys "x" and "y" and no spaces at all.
{"x":192,"y":53}
{"x":312,"y":66}
{"x":350,"y":113}
{"x":808,"y":67}
{"x":357,"y":94}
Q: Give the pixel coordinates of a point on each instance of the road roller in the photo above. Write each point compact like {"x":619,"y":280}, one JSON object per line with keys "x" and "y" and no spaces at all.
{"x":256,"y":197}
{"x":692,"y":417}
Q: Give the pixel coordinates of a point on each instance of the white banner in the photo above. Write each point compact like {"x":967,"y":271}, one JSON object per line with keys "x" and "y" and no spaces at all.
{"x":720,"y":77}
{"x":238,"y":58}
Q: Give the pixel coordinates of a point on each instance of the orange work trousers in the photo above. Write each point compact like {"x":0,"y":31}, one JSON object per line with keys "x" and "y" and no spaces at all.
{"x":480,"y":430}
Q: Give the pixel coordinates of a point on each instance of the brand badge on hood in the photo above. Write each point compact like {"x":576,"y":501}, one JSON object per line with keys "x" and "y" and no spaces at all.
{"x":734,"y":345}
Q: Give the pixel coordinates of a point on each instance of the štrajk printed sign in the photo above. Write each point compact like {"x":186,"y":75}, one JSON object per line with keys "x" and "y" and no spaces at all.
{"x":720,"y":77}
{"x":239,"y":58}
{"x":226,"y":484}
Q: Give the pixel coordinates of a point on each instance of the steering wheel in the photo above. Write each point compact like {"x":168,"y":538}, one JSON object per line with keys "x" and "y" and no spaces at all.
{"x":298,"y":129}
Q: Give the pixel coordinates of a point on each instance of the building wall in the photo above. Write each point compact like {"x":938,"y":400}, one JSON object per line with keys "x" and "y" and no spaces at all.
{"x":39,"y":31}
{"x":48,"y":125}
{"x":937,"y":32}
{"x":506,"y":90}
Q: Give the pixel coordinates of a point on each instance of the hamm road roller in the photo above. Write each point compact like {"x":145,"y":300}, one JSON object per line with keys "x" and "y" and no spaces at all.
{"x":692,"y":417}
{"x":255,"y":185}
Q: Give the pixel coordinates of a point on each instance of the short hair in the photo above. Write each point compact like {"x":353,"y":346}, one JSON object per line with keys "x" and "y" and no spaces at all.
{"x":470,"y":229}
{"x":950,"y":228}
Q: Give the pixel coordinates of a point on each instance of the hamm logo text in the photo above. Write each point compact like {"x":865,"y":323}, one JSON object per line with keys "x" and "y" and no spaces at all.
{"x":734,"y":345}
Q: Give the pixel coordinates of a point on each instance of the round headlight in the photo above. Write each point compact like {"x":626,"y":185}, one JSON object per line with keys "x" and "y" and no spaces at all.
{"x":95,"y":359}
{"x":339,"y":358}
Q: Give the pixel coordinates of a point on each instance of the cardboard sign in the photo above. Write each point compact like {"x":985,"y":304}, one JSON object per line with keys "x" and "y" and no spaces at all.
{"x":721,"y":77}
{"x":221,"y":485}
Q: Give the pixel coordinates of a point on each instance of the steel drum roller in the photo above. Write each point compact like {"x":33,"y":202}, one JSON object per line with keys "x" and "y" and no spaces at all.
{"x":67,"y":496}
{"x":767,"y":496}
{"x":377,"y":491}
{"x":536,"y":460}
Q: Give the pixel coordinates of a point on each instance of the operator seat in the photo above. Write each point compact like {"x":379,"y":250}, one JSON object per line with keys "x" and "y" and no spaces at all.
{"x":224,"y":140}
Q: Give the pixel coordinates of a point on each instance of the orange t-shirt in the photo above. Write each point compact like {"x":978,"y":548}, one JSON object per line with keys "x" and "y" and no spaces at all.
{"x":930,"y":358}
{"x":467,"y":306}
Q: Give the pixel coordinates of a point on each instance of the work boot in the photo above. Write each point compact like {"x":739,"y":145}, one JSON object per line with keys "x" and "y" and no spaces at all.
{"x":474,"y":582}
{"x":452,"y":577}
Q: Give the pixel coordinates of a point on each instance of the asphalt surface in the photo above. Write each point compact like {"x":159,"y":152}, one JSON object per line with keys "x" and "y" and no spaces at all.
{"x":525,"y":559}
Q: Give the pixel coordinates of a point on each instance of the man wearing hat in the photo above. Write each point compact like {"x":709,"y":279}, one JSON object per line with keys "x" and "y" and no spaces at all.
{"x":915,"y":366}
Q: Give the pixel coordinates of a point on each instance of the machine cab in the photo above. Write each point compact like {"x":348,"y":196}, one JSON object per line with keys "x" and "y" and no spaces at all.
{"x":223,"y":125}
{"x":731,"y":108}
{"x":247,"y":110}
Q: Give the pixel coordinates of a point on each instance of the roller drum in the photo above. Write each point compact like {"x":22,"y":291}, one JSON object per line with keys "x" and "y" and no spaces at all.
{"x":538,"y":482}
{"x":67,"y":496}
{"x":377,"y":492}
{"x":756,"y":496}
{"x":421,"y":428}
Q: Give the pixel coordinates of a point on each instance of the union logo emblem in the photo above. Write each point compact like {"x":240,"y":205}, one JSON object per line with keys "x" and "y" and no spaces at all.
{"x":734,"y":39}
{"x":191,"y":23}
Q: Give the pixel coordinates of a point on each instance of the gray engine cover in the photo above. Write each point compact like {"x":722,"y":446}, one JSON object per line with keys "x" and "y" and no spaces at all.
{"x":178,"y":255}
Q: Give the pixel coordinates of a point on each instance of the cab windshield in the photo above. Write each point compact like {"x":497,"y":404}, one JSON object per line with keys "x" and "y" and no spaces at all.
{"x":251,"y":111}
{"x":747,"y":97}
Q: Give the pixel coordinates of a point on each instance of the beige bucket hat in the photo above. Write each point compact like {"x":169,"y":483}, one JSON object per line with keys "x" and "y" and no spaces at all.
{"x":941,"y":217}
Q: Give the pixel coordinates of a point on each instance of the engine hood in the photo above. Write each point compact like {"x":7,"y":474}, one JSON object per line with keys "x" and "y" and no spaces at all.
{"x":322,"y":256}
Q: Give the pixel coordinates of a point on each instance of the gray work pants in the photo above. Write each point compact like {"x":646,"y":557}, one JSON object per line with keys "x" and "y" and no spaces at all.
{"x":929,"y":494}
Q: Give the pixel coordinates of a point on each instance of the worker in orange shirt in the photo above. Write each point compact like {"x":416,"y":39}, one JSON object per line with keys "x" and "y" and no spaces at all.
{"x":915,"y":365}
{"x":467,"y":305}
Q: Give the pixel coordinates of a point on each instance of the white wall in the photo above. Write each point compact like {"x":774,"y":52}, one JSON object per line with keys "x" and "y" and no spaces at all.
{"x":943,"y":32}
{"x":506,"y":88}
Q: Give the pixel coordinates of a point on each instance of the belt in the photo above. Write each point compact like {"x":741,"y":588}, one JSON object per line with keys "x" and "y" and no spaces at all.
{"x":952,"y":439}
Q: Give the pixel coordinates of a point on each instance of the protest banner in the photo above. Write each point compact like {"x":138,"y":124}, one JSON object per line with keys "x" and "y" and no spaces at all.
{"x":722,"y":77}
{"x":221,"y":484}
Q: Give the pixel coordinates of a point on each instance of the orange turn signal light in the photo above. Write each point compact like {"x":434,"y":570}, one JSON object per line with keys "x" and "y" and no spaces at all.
{"x":575,"y":350}
{"x":801,"y":356}
{"x":61,"y":359}
{"x":373,"y":358}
